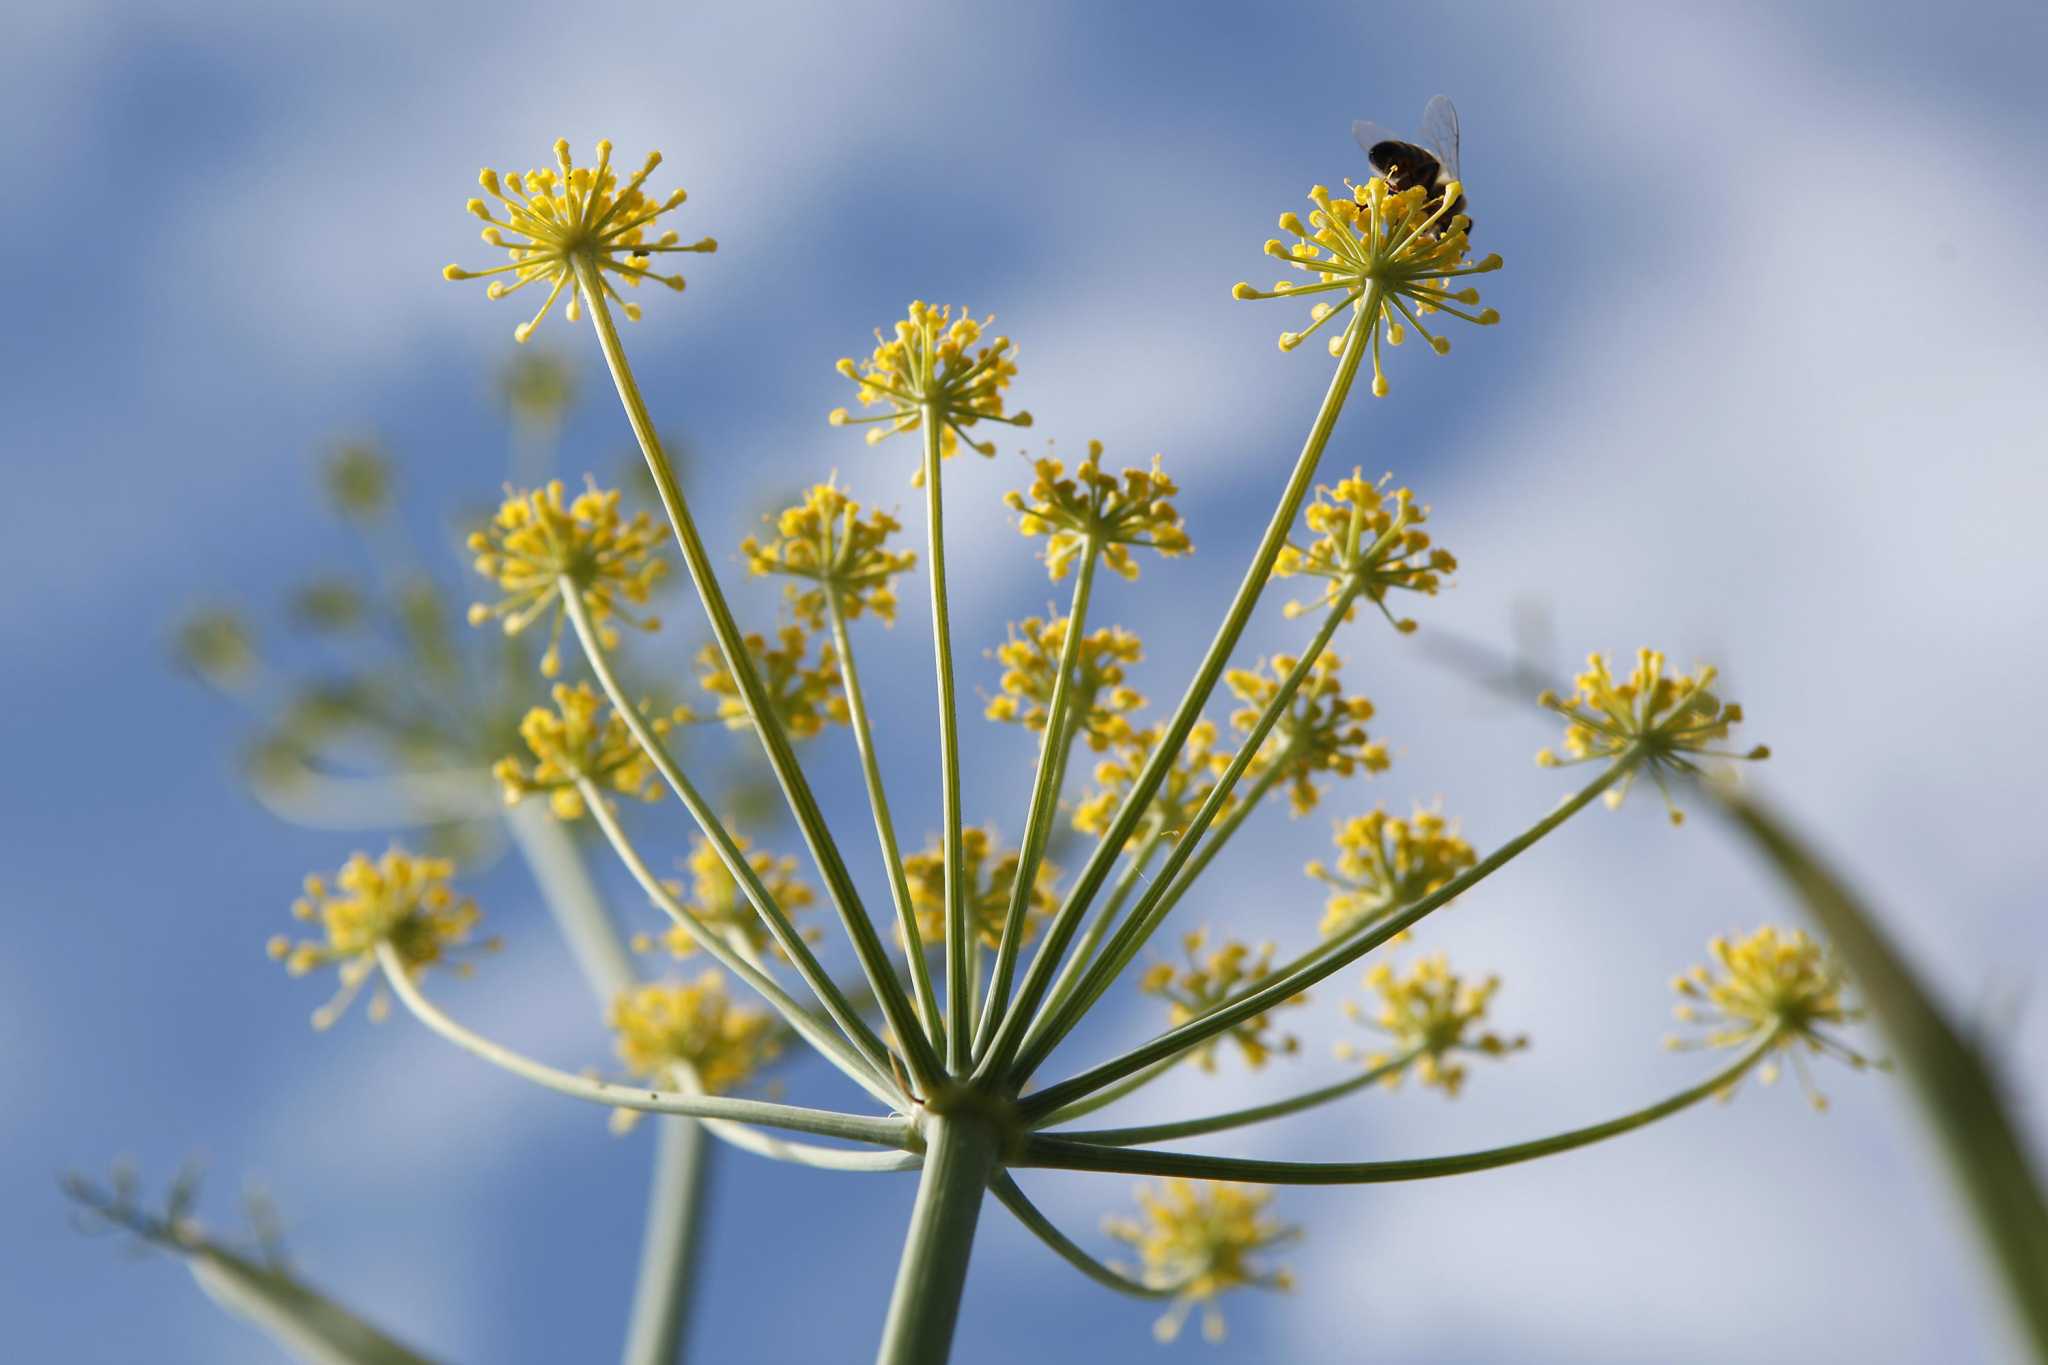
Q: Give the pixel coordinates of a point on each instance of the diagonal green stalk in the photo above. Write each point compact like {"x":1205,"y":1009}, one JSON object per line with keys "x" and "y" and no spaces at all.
{"x":962,"y":1151}
{"x":1002,"y":1049}
{"x":1238,"y":1118}
{"x":1083,"y":952}
{"x":960,"y":971}
{"x":1013,"y":1199}
{"x":1274,"y":989}
{"x":1068,"y":1154}
{"x":885,"y":826}
{"x":1045,"y":796}
{"x":796,"y":788}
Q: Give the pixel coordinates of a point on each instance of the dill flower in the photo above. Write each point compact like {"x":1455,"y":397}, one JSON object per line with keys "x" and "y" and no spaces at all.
{"x":1384,"y":863}
{"x":1199,"y":1238}
{"x":1774,"y":984}
{"x":536,"y":542}
{"x":1658,"y":720}
{"x":397,"y":899}
{"x":715,"y":897}
{"x":560,"y":217}
{"x":1118,"y":512}
{"x":1211,"y":977}
{"x":1100,"y":698}
{"x":1322,"y":731}
{"x":1186,"y":786}
{"x":1429,"y":1013}
{"x":933,"y":361}
{"x":568,"y":743}
{"x":1369,"y":540}
{"x":1390,"y":252}
{"x":695,"y":1024}
{"x":825,"y":544}
{"x":805,"y":697}
{"x":989,"y":884}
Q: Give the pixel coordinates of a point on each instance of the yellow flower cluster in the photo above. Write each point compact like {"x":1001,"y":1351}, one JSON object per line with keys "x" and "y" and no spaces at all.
{"x":1186,"y":786}
{"x":1652,"y":718}
{"x":1429,"y":1014}
{"x":1115,"y":513}
{"x":935,"y":363}
{"x":397,"y":899}
{"x":1212,"y":977}
{"x":989,"y":884}
{"x":825,"y":543}
{"x":1775,"y":985}
{"x":1198,"y":1239}
{"x":1384,"y":863}
{"x":568,"y":743}
{"x":1369,"y":541}
{"x":805,"y":697}
{"x":1100,"y":699}
{"x":693,"y":1024}
{"x":1389,"y":253}
{"x":1322,"y":730}
{"x":717,"y":899}
{"x":536,"y":544}
{"x":562,"y":217}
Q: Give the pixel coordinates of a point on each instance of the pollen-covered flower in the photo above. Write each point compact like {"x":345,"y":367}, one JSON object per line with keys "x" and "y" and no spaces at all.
{"x":934,"y":361}
{"x":1211,"y":978}
{"x":1776,"y":985}
{"x":1429,"y":1015}
{"x":1179,"y":795}
{"x":1099,"y":697}
{"x":990,"y":881}
{"x":716,"y":898}
{"x":1384,"y":863}
{"x":806,"y":697}
{"x":1323,"y":731}
{"x":559,"y":218}
{"x":537,"y":543}
{"x":1198,"y":1238}
{"x":397,"y":899}
{"x":1368,"y":541}
{"x":1662,"y":722}
{"x":569,"y":742}
{"x":1116,"y":513}
{"x":1391,"y":253}
{"x":695,"y":1024}
{"x":829,"y":548}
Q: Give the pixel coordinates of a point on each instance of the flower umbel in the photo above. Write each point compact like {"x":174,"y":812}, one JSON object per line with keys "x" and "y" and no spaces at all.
{"x":1199,"y":1238}
{"x":716,"y":897}
{"x":1387,"y":252}
{"x":1429,"y":1014}
{"x":1322,"y":731}
{"x":558,"y":217}
{"x":1099,"y":700}
{"x":567,"y":743}
{"x":933,"y":362}
{"x":694,"y":1024}
{"x":536,"y":542}
{"x":989,"y":884}
{"x":1116,"y":513}
{"x":397,"y":899}
{"x":1384,"y":863}
{"x":1370,"y":542}
{"x":1186,"y":786}
{"x":1211,"y":978}
{"x":1773,"y":984}
{"x":1656,"y":720}
{"x":806,"y":697}
{"x":826,"y":545}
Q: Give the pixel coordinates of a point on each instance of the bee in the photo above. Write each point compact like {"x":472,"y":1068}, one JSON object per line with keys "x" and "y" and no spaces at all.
{"x":1431,"y":160}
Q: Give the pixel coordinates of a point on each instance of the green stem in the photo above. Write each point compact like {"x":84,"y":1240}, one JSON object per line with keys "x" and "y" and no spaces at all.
{"x":959,"y":962}
{"x":669,"y":1249}
{"x":1003,"y":1048}
{"x":1109,"y":1094}
{"x":1272,"y":990}
{"x":1238,"y":1118}
{"x":1044,"y":797}
{"x":796,"y":788}
{"x":885,"y":826}
{"x":1005,"y":1189}
{"x":1078,"y":960}
{"x":960,"y":1156}
{"x":1072,"y":1155}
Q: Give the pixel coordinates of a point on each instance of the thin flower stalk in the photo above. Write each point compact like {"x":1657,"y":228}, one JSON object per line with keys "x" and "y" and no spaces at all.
{"x":1005,"y":1189}
{"x":961,"y":975}
{"x":1083,"y":952}
{"x":1239,"y":1118}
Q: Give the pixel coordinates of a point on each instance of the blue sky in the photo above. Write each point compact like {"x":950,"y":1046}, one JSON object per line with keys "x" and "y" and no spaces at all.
{"x":1766,"y":392}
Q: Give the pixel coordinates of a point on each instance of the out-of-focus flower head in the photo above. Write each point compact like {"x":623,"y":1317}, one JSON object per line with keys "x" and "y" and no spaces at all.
{"x":1101,"y":699}
{"x":695,"y":1025}
{"x":805,"y":697}
{"x":1322,"y":731}
{"x":1199,"y":1238}
{"x":1384,"y":863}
{"x":716,"y":897}
{"x":1368,"y":540}
{"x":569,"y":742}
{"x":1188,"y":782}
{"x":1211,"y":977}
{"x":990,"y":881}
{"x":1116,"y":513}
{"x":826,"y":545}
{"x":1429,"y":1015}
{"x":934,"y":361}
{"x":1775,"y":984}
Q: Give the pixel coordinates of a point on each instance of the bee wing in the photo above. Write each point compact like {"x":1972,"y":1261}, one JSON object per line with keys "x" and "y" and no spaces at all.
{"x":1439,"y":133}
{"x":1371,"y":134}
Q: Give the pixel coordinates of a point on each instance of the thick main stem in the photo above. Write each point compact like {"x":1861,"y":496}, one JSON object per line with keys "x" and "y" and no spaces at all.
{"x":960,"y":971}
{"x":669,"y":1250}
{"x":960,"y":1156}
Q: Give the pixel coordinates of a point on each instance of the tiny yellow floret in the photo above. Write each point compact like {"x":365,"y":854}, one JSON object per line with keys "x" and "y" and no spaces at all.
{"x":1211,"y":977}
{"x":806,"y":697}
{"x":989,"y":880}
{"x":935,"y":365}
{"x":1099,"y":697}
{"x":717,"y":899}
{"x":1322,"y":730}
{"x":833,"y":553}
{"x":1369,"y":542}
{"x":1198,"y":1238}
{"x":1777,"y":985}
{"x":1091,"y":507}
{"x":692,"y":1026}
{"x":1429,"y":1015}
{"x":569,"y":743}
{"x":1385,"y":863}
